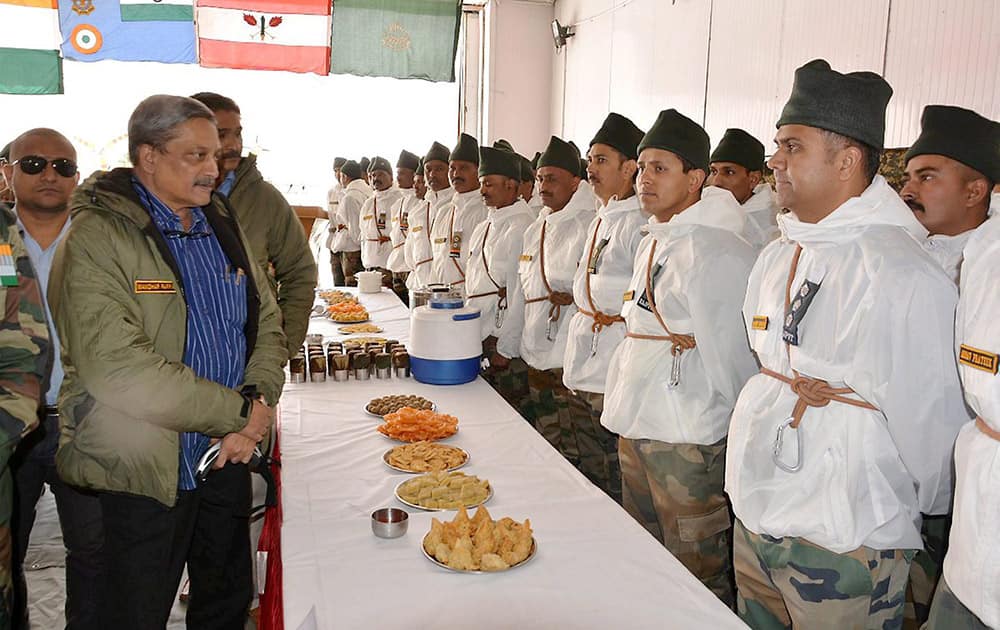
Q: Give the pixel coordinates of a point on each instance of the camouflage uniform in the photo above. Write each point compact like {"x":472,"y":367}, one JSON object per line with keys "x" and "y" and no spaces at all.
{"x":790,"y":582}
{"x":24,"y":357}
{"x":926,"y":570}
{"x":349,"y":263}
{"x":676,"y":492}
{"x":597,"y":446}
{"x":548,"y":409}
{"x":510,"y":382}
{"x":399,"y":285}
{"x":948,"y":613}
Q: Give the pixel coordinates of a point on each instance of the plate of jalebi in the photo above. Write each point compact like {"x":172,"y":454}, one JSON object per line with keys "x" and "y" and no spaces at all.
{"x":416,"y":425}
{"x":347,"y":312}
{"x":334,"y":296}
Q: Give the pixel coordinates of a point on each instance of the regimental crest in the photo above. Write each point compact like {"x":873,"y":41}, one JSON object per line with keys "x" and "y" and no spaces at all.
{"x":83,"y":7}
{"x":261,"y":25}
{"x":396,"y":38}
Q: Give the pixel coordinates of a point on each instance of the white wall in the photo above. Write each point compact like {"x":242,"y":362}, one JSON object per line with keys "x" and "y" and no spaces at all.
{"x":729,"y":63}
{"x":519,"y":76}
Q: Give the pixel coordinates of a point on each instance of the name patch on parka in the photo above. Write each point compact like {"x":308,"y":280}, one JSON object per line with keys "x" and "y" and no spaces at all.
{"x":155,"y":286}
{"x":978,"y":359}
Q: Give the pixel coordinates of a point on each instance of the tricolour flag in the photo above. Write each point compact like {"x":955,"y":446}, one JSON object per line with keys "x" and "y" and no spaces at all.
{"x":265,"y":34}
{"x":157,"y":10}
{"x":29,"y":48}
{"x":93,"y":30}
{"x":407,"y":39}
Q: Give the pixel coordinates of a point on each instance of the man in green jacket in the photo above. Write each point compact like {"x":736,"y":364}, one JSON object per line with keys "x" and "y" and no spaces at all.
{"x":172,"y":342}
{"x":276,"y":236}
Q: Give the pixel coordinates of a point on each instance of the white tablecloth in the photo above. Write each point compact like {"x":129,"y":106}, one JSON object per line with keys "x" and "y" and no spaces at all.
{"x":595,"y":566}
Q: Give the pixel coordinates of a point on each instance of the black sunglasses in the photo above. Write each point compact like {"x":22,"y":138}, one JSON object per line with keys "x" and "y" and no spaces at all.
{"x":33,"y":165}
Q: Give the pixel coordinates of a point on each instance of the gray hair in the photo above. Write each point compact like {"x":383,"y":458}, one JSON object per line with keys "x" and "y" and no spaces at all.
{"x":155,"y":121}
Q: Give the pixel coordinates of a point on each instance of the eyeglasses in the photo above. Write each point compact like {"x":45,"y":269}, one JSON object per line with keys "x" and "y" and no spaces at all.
{"x":34,"y":164}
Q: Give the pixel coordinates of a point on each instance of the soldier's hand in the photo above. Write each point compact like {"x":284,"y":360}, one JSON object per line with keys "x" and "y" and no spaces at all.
{"x":499,"y":361}
{"x":235,"y":449}
{"x":261,"y":419}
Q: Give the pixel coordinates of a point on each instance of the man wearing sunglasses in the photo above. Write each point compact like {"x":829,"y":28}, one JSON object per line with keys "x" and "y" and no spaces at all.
{"x":24,"y":355}
{"x":42,"y":173}
{"x":275,"y":233}
{"x":173,"y":341}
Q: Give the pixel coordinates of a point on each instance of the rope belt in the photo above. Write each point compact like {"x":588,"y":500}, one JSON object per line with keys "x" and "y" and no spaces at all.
{"x":601,"y":320}
{"x":986,"y":429}
{"x":814,"y":392}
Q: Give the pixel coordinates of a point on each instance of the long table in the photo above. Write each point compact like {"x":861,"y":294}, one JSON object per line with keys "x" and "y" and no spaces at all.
{"x":595,"y":566}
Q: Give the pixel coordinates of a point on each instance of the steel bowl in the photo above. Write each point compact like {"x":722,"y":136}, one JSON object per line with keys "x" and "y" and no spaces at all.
{"x":390,"y":522}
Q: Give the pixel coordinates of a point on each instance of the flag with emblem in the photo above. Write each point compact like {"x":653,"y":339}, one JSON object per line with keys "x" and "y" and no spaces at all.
{"x":94,"y":30}
{"x":29,"y":48}
{"x":265,"y":34}
{"x":406,"y":39}
{"x":157,"y":10}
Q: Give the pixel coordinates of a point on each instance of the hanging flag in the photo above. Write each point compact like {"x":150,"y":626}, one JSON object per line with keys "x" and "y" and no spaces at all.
{"x":29,"y":49}
{"x":93,"y":30}
{"x":265,"y":34}
{"x":157,"y":10}
{"x":407,"y":39}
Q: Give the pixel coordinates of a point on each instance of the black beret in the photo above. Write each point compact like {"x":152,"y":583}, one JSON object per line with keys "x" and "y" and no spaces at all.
{"x":534,"y":160}
{"x":498,"y":162}
{"x":851,"y":104}
{"x":379,"y":163}
{"x":527,"y":170}
{"x":562,"y":154}
{"x":338,"y":162}
{"x":351,"y":169}
{"x":408,"y":160}
{"x":504,"y":144}
{"x":740,"y":147}
{"x":680,"y":135}
{"x":962,"y":135}
{"x":365,"y":163}
{"x":467,"y":149}
{"x":620,"y":133}
{"x":437,"y":152}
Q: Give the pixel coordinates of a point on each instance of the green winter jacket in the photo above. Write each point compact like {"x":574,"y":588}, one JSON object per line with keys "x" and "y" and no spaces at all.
{"x":118,"y":304}
{"x":279,"y":246}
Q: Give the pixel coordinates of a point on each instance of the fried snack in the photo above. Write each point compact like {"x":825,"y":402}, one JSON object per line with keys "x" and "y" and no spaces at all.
{"x":362,"y":341}
{"x":351,"y":329}
{"x":334,"y":296}
{"x":392,"y":404}
{"x":347,"y":312}
{"x":445,"y":490}
{"x":479,"y":544}
{"x":426,"y":457}
{"x":416,"y":425}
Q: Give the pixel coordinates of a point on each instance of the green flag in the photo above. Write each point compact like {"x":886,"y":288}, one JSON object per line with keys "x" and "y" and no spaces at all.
{"x":25,"y":71}
{"x":406,"y":39}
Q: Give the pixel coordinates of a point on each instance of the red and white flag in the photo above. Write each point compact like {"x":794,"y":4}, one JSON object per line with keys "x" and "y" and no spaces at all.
{"x":289,"y":35}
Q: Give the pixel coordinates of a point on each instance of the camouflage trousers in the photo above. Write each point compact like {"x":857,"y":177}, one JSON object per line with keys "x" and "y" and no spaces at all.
{"x":399,"y":286}
{"x":676,"y":492}
{"x":597,"y":446}
{"x":345,"y":265}
{"x":510,"y":382}
{"x":926,"y":570}
{"x":949,"y":613}
{"x":792,"y":583}
{"x":548,"y":409}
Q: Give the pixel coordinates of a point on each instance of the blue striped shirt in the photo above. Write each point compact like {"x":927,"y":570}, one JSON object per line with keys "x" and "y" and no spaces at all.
{"x":216,"y":297}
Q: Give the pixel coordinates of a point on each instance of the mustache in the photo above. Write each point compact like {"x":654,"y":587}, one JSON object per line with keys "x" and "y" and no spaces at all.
{"x":914,"y":205}
{"x":205,"y":181}
{"x":230,"y":154}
